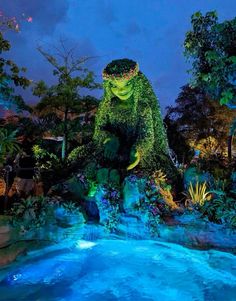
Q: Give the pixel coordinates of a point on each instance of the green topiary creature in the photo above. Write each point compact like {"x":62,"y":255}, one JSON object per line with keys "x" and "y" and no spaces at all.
{"x":128,"y":126}
{"x":129,"y":131}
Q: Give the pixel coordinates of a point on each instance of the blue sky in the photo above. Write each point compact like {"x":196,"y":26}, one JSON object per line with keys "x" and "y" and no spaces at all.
{"x":148,"y":31}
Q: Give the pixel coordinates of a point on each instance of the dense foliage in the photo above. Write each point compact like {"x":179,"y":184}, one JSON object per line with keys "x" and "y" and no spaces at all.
{"x":10,"y":73}
{"x":212,"y":48}
{"x":8,"y":144}
{"x":63,"y":98}
{"x":200,"y":122}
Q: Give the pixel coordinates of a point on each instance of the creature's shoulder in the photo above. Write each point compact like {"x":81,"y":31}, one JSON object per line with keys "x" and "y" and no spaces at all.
{"x":104,"y":104}
{"x":147,"y":95}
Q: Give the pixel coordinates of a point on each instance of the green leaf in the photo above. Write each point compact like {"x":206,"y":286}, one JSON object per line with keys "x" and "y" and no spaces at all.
{"x":187,"y":45}
{"x":232,"y":59}
{"x":197,"y":14}
{"x":206,"y":77}
{"x":227,"y":96}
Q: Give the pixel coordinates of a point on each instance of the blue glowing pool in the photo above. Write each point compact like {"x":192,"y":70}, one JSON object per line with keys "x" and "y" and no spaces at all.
{"x":115,"y":269}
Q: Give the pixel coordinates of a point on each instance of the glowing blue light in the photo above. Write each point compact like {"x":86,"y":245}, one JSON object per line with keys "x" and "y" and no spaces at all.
{"x":16,"y":277}
{"x":83,"y":244}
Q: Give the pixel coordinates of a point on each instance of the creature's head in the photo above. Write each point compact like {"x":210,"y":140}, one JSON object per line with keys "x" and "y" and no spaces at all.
{"x":119,"y":77}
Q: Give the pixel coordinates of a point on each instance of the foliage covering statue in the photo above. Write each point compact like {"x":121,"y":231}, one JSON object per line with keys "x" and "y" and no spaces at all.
{"x":129,"y":131}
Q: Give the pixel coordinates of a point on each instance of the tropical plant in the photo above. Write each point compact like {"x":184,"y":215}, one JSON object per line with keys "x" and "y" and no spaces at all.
{"x":159,"y":177}
{"x":70,"y":207}
{"x":32,"y":213}
{"x":220,"y":186}
{"x":221,"y":210}
{"x":8,"y":143}
{"x":197,"y":195}
{"x":164,"y":189}
{"x":44,"y":159}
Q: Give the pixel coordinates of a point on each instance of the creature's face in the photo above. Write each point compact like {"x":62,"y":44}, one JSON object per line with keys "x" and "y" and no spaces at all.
{"x":122,"y":88}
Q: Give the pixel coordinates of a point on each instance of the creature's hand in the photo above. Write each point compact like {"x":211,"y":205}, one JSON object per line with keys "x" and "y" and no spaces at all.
{"x":134,"y":159}
{"x":111,"y":146}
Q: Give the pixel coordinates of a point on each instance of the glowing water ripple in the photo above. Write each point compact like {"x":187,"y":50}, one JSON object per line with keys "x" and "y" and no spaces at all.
{"x":123,"y":270}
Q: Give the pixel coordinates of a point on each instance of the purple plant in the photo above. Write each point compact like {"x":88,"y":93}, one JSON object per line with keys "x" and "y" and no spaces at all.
{"x":114,"y":194}
{"x":154,"y":210}
{"x":132,"y":178}
{"x":105,"y":201}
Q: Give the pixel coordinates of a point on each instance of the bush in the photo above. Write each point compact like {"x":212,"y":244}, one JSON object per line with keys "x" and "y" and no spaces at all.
{"x":221,"y":210}
{"x":32,"y":213}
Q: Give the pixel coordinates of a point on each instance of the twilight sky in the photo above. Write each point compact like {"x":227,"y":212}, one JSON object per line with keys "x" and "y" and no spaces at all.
{"x":148,"y":31}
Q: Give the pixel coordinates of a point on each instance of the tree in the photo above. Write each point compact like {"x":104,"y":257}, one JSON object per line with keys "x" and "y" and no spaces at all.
{"x":10,"y":73}
{"x":63,"y":98}
{"x":211,"y":46}
{"x":80,"y":125}
{"x":200,"y":121}
{"x":177,"y":141}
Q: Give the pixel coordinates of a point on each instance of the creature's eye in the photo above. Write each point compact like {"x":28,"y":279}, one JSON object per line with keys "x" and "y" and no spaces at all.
{"x":113,"y":85}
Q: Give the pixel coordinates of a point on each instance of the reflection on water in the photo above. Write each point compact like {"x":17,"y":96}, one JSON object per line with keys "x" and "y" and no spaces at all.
{"x":112,"y":269}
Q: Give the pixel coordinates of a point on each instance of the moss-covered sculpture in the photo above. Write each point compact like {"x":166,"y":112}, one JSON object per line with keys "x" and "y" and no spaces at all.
{"x":129,"y":128}
{"x":129,"y":131}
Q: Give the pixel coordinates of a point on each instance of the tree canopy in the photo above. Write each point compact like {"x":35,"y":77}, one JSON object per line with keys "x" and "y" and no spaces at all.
{"x":211,"y":46}
{"x":64,"y":97}
{"x":197,"y":118}
{"x":10,"y":73}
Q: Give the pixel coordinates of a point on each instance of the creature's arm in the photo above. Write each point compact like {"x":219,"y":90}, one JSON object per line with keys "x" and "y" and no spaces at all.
{"x":104,"y":139}
{"x":100,"y":134}
{"x":145,"y":139}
